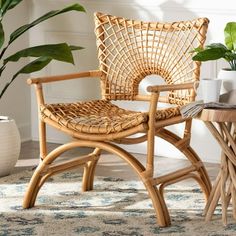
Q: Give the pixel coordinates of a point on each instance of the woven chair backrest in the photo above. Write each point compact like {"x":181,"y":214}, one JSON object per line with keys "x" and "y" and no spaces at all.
{"x":130,"y":50}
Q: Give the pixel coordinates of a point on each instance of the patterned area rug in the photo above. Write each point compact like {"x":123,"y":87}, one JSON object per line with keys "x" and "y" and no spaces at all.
{"x":115,"y":207}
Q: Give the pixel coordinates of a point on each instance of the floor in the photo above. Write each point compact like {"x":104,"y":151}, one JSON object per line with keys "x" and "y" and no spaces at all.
{"x":109,"y":165}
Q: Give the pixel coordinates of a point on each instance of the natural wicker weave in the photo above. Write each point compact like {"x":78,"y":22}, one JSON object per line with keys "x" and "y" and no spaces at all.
{"x":128,"y":51}
{"x":100,"y":116}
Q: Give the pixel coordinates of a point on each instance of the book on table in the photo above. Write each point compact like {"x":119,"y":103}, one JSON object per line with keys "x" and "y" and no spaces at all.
{"x":227,"y":101}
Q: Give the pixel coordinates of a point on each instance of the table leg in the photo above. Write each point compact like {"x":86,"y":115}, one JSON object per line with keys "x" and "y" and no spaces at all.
{"x":233,"y":193}
{"x":225,"y":186}
{"x":212,"y":194}
{"x":213,"y":203}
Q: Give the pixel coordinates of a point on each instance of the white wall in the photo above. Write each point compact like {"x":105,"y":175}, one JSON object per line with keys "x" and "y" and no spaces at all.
{"x":16,"y":101}
{"x":77,"y":28}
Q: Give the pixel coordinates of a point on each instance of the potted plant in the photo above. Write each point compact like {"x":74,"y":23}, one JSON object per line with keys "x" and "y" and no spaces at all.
{"x":43,"y":54}
{"x":227,"y":52}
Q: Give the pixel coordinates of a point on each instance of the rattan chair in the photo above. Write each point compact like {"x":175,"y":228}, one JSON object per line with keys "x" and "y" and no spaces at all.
{"x":128,"y":51}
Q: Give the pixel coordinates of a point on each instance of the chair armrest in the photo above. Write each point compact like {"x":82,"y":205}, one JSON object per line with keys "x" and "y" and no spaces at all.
{"x":155,"y":96}
{"x":49,"y":79}
{"x":169,"y":87}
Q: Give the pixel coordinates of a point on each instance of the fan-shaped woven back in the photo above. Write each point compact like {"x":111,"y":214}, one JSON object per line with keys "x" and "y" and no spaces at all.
{"x":129,"y":50}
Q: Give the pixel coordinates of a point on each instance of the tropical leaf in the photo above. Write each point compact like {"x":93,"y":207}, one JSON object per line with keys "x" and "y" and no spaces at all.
{"x":230,"y":56}
{"x":13,"y":3}
{"x":210,"y":54}
{"x":60,"y":52}
{"x":24,"y":28}
{"x":8,"y":4}
{"x":44,"y":53}
{"x":33,"y":66}
{"x":2,"y":35}
{"x":217,"y":45}
{"x":73,"y":47}
{"x":2,"y":2}
{"x":198,"y":49}
{"x":42,"y":61}
{"x":230,"y":35}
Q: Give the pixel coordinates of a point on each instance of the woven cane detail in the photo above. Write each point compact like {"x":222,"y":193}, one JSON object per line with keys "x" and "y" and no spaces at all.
{"x":129,"y":50}
{"x":99,"y":116}
{"x":167,"y":113}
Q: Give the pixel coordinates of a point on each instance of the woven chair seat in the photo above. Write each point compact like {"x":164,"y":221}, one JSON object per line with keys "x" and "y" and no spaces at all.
{"x":99,"y":116}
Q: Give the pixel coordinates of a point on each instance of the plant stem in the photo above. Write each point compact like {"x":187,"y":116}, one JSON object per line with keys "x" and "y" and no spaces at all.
{"x":2,"y":68}
{"x":8,"y":84}
{"x":3,"y":51}
{"x":233,"y":65}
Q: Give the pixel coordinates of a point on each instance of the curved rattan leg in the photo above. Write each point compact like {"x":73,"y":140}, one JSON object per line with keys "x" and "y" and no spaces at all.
{"x":40,"y":183}
{"x":46,"y":169}
{"x":191,"y":155}
{"x":43,"y":171}
{"x":33,"y":188}
{"x":89,"y":171}
{"x":158,"y":202}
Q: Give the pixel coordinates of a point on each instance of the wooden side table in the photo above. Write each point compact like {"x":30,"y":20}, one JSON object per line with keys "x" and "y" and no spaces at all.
{"x":222,"y":125}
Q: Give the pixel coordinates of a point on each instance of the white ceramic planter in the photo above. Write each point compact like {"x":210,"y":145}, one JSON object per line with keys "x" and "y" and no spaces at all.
{"x":228,"y":78}
{"x":9,"y":145}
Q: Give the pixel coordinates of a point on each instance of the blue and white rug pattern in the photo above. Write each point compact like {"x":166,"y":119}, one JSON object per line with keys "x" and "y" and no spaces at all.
{"x":114,"y":208}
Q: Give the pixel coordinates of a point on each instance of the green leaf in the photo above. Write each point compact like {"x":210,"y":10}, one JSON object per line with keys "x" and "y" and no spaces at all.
{"x":73,"y":48}
{"x":60,"y":52}
{"x":210,"y":54}
{"x":230,"y":56}
{"x":2,"y":35}
{"x":198,"y":49}
{"x":24,"y":28}
{"x":7,"y":5}
{"x":13,"y":3}
{"x":33,"y":66}
{"x":230,"y":35}
{"x":2,"y":2}
{"x":217,"y":45}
